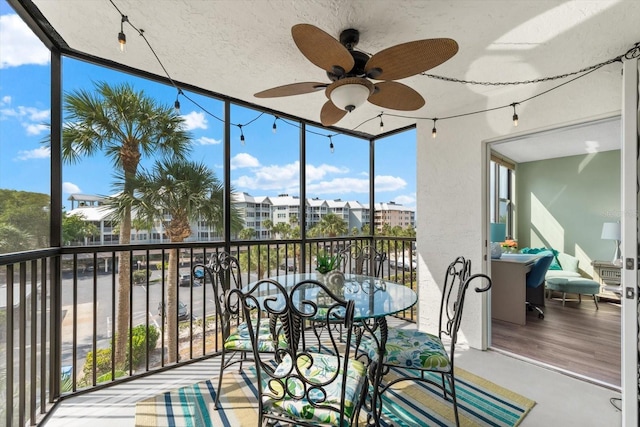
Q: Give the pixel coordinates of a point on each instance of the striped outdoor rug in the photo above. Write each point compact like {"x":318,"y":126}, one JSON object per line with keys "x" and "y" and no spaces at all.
{"x":480,"y":403}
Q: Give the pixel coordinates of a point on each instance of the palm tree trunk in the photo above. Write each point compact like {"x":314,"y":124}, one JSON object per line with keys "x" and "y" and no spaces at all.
{"x":172,"y":307}
{"x":124,"y":290}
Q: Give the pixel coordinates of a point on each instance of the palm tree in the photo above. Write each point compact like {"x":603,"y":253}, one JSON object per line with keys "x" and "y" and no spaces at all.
{"x":186,"y":191}
{"x":247,"y":234}
{"x":124,"y":125}
{"x":13,"y":239}
{"x":332,"y":225}
{"x":259,"y":259}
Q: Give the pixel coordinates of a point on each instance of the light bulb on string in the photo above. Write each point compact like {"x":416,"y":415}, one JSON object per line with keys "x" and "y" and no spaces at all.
{"x":381,"y":124}
{"x":176,"y":104}
{"x":331,"y":148}
{"x":515,"y":115}
{"x":275,"y":127}
{"x":122,"y":38}
{"x":241,"y":135}
{"x":434,"y":131}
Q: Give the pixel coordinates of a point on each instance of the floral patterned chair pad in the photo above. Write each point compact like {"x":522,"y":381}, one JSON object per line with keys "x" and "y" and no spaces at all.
{"x":323,"y":368}
{"x":240,"y":340}
{"x":410,"y":349}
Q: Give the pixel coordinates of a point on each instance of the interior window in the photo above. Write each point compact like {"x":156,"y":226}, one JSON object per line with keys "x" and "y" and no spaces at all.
{"x":502,"y":188}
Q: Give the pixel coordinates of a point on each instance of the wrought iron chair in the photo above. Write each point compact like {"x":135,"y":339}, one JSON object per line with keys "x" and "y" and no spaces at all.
{"x":357,"y":260}
{"x":304,"y":388}
{"x":223,"y":272}
{"x":420,"y":352}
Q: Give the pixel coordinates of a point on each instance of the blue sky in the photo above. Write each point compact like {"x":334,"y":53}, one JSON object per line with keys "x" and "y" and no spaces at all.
{"x":267,"y":164}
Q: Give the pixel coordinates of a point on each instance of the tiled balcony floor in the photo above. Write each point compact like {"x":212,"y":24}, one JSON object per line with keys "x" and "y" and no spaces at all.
{"x":561,"y":399}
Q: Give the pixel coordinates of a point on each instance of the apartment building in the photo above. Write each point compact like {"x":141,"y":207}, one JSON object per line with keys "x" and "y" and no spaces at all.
{"x":394,"y":215}
{"x":255,"y":210}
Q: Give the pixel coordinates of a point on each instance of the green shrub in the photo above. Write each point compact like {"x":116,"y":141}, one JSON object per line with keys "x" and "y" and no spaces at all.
{"x":140,"y":276}
{"x":103,"y":364}
{"x":103,"y":355}
{"x":139,"y":342}
{"x":107,"y":377}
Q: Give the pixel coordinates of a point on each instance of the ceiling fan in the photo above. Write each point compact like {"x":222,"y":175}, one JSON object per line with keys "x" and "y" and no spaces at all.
{"x":351,"y":71}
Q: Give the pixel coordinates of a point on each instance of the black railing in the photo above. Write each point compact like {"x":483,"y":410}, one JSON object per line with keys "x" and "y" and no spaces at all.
{"x":57,"y":326}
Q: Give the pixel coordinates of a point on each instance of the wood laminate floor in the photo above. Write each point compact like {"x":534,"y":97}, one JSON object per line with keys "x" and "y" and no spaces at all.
{"x":576,"y":338}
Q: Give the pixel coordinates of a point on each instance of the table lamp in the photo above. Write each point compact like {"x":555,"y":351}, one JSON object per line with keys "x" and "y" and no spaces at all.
{"x":498,"y":233}
{"x":611,"y":231}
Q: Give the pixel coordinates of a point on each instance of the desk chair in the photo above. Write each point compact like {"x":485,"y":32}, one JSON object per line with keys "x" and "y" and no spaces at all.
{"x":302,"y":387}
{"x":535,"y":278}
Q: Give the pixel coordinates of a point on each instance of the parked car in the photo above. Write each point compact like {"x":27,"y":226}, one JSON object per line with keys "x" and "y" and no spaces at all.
{"x":183,"y":310}
{"x":403,"y":264}
{"x":185,"y":280}
{"x":289,"y":265}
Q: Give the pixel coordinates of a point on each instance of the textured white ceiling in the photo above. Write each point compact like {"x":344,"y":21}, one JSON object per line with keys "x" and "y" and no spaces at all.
{"x":584,"y":138}
{"x":237,"y":48}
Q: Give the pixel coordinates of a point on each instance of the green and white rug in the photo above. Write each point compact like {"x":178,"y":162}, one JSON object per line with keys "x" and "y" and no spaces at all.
{"x":480,"y":403}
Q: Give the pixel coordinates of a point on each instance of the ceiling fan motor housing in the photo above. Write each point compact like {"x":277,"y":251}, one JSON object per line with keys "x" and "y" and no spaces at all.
{"x":349,"y":92}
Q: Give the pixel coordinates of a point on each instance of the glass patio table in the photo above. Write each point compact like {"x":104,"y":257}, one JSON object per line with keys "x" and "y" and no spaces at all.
{"x":374,"y":299}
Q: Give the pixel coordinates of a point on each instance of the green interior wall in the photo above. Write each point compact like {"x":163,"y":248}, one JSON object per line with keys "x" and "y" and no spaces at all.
{"x":562,"y":203}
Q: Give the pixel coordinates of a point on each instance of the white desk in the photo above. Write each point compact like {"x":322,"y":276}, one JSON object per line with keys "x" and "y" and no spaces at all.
{"x":508,"y":287}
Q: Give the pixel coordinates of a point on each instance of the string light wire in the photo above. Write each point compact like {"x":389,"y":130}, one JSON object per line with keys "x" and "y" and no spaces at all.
{"x":632,"y":53}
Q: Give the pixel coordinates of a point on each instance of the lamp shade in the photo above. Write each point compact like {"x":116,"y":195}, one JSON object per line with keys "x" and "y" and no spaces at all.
{"x":610,"y":231}
{"x":498,"y":231}
{"x":350,"y":92}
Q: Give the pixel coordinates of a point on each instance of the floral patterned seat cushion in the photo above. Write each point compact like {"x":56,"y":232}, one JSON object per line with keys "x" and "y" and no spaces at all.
{"x":240,"y":340}
{"x":323,"y":368}
{"x":411,"y":349}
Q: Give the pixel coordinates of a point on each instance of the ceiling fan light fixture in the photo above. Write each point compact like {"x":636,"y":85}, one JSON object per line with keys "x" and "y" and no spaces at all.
{"x":349,"y":93}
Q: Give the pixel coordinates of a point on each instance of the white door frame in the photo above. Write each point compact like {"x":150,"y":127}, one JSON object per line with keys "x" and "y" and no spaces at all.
{"x":630,"y":238}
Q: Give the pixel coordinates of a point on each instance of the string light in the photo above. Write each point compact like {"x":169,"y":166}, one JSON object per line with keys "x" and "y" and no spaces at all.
{"x":122,"y":38}
{"x":632,"y":53}
{"x":241,"y":135}
{"x":177,"y":103}
{"x":331,"y":145}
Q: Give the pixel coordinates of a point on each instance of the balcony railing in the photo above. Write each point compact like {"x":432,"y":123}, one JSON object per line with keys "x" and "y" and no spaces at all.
{"x":57,"y":311}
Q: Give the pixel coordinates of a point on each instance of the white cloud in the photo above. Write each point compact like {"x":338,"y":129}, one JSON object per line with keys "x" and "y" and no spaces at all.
{"x":316,"y":173}
{"x":244,"y":160}
{"x":37,"y":153}
{"x":272,"y":177}
{"x":35,"y":129}
{"x":70,"y":188}
{"x":406,"y":199}
{"x":30,"y":118}
{"x":339,"y":186}
{"x":194,"y":120}
{"x":389,"y":183}
{"x":203,"y":140}
{"x":18,"y":44}
{"x":320,"y":179}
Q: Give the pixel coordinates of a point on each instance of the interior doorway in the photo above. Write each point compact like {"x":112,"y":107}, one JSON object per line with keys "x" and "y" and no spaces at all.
{"x":563,"y":185}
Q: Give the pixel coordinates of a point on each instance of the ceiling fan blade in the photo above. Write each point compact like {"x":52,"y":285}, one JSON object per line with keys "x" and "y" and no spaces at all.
{"x":321,"y":48}
{"x":330,"y":114}
{"x":408,"y":59}
{"x":396,"y":96}
{"x":291,"y":89}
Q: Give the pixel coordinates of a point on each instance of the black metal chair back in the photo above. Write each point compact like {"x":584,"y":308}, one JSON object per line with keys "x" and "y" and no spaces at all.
{"x":305,"y":388}
{"x":365,"y":260}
